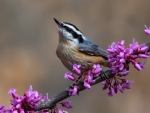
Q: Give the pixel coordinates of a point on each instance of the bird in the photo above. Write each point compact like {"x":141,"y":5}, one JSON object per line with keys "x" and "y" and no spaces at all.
{"x":75,"y":48}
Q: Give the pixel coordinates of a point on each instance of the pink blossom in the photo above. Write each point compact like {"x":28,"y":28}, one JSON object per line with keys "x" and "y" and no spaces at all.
{"x":147,"y":30}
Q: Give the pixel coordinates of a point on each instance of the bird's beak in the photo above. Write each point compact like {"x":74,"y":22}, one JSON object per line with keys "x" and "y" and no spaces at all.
{"x":57,"y":22}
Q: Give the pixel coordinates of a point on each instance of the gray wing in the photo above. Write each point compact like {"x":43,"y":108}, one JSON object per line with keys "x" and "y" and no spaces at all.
{"x":93,"y":50}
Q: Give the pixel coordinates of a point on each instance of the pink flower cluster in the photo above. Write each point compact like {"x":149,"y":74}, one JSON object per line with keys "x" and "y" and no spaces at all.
{"x":30,"y":99}
{"x":119,"y":58}
{"x":118,"y":85}
{"x":88,"y":77}
{"x":91,"y":74}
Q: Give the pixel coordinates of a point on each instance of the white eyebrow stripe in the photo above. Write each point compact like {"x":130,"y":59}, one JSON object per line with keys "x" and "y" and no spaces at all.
{"x":74,"y":29}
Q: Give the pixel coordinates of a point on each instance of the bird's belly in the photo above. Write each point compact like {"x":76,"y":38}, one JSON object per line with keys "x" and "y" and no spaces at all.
{"x":70,"y":56}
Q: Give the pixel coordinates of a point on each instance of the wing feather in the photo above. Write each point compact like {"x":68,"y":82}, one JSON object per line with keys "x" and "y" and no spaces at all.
{"x":93,"y":50}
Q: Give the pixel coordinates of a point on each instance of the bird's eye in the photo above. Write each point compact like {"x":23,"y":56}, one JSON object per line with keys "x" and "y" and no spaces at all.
{"x":75,"y":35}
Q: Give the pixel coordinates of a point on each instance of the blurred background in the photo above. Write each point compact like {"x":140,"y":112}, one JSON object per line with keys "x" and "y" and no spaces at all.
{"x":29,"y":38}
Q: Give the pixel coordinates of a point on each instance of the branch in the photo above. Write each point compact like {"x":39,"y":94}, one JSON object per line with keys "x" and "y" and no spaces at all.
{"x":51,"y":103}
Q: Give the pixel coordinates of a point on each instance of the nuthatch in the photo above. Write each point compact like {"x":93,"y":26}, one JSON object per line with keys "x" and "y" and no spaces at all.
{"x":75,"y":48}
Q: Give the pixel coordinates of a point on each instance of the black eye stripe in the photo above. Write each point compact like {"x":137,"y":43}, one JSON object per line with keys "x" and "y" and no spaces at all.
{"x":67,"y":28}
{"x":74,"y":34}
